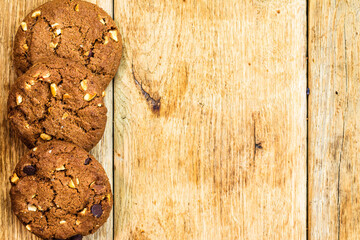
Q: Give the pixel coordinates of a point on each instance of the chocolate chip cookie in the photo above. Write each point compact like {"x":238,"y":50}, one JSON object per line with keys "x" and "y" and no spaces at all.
{"x":72,"y":29}
{"x":57,"y":99}
{"x":59,"y":191}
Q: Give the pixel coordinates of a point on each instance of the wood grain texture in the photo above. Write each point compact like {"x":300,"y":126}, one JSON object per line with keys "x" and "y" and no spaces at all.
{"x":334,"y":111}
{"x":11,"y":149}
{"x":210,"y":120}
{"x":104,"y":149}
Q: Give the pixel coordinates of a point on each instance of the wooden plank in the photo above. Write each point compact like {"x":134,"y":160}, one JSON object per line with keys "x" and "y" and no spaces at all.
{"x":104,"y":150}
{"x":210,"y":126}
{"x":334,"y":111}
{"x":11,"y":149}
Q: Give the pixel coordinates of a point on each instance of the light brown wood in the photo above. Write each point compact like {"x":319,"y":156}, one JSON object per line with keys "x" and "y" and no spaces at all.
{"x":334,"y":111}
{"x":224,"y":157}
{"x":104,"y":149}
{"x":11,"y":149}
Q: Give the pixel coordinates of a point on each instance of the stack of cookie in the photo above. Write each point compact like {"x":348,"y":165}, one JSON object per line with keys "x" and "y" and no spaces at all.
{"x":66,"y":52}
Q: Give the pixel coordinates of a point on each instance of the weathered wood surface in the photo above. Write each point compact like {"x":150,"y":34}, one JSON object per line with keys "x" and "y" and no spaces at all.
{"x":210,"y":120}
{"x":334,"y":112}
{"x":11,"y":149}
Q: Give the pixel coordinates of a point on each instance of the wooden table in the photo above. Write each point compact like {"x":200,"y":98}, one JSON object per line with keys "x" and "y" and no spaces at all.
{"x":207,"y":134}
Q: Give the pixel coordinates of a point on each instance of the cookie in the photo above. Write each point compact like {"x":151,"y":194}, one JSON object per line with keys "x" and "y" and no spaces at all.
{"x":71,"y":29}
{"x":59,"y":191}
{"x":57,"y":99}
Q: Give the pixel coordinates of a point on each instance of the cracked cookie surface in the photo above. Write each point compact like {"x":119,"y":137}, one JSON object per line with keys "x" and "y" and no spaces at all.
{"x":66,"y":194}
{"x":57,"y":99}
{"x":72,"y":29}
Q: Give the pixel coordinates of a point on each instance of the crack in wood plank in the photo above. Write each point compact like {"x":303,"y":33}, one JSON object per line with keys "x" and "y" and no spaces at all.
{"x":154,"y":104}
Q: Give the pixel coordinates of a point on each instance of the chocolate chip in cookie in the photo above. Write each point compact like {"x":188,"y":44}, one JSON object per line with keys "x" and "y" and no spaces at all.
{"x":96,"y":210}
{"x":87,"y":161}
{"x":29,"y":170}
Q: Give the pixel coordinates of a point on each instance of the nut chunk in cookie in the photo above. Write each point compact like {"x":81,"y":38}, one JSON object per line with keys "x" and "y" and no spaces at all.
{"x":59,"y":191}
{"x":57,"y":99}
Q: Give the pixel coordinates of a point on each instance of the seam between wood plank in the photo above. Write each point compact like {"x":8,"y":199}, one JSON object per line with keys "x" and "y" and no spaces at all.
{"x":343,"y":139}
{"x":307,"y":114}
{"x":113,"y":136}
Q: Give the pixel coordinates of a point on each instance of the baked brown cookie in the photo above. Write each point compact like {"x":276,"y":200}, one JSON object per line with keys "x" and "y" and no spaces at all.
{"x":72,"y":29}
{"x":57,"y":99}
{"x":59,"y":191}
